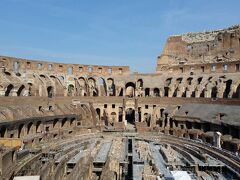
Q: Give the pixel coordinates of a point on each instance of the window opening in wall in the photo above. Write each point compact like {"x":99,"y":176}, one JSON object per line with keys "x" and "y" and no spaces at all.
{"x":50,"y":67}
{"x":208,"y":47}
{"x":90,"y":69}
{"x":80,"y":69}
{"x":113,"y":106}
{"x":109,"y":70}
{"x":237,"y":67}
{"x":189,"y":47}
{"x":202,"y":68}
{"x":105,"y":105}
{"x":39,"y":66}
{"x":70,"y":71}
{"x":225,"y":67}
{"x":146,"y":106}
{"x":16,"y":66}
{"x":181,"y":69}
{"x":200,"y":80}
{"x":120,"y":70}
{"x":28,"y":64}
{"x":213,"y":68}
{"x":60,"y":67}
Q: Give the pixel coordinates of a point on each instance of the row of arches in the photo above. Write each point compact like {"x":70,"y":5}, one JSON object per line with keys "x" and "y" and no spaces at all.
{"x":208,"y":87}
{"x":21,"y":130}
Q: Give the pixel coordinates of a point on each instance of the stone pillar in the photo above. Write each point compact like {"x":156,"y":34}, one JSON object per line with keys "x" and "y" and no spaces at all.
{"x":217,"y":139}
{"x":124,"y":117}
{"x":136,"y":115}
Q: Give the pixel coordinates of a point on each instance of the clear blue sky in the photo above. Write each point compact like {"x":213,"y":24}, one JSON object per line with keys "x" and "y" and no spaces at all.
{"x":105,"y":32}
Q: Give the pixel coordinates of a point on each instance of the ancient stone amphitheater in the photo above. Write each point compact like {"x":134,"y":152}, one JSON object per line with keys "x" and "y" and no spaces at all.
{"x":74,"y":121}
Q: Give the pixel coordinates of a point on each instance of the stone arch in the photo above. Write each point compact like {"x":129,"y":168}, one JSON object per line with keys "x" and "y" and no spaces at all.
{"x":189,"y":80}
{"x":166,"y":91}
{"x":227,"y":89}
{"x":130,"y":89}
{"x":175,"y":93}
{"x":82,"y":86}
{"x":9,"y":89}
{"x":55,"y":121}
{"x":147,"y":92}
{"x":50,"y":91}
{"x":63,"y":123}
{"x":92,"y":88}
{"x":73,"y":122}
{"x":111,"y":87}
{"x":38,"y":124}
{"x":29,"y":127}
{"x":113,"y":117}
{"x":214,"y":92}
{"x":130,"y":115}
{"x":20,"y":91}
{"x":98,"y":110}
{"x":20,"y":130}
{"x":3,"y":131}
{"x":147,"y":118}
{"x":102,"y":86}
{"x":236,"y":94}
{"x":156,"y":92}
{"x":70,"y":90}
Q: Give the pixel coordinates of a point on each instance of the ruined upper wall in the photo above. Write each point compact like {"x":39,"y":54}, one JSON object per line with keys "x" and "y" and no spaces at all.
{"x":20,"y":65}
{"x":213,"y":47}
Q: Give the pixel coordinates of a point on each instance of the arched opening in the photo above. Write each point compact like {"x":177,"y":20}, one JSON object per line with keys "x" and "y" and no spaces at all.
{"x":120,"y":114}
{"x":147,"y":92}
{"x":147,"y":119}
{"x":185,"y":92}
{"x":214,"y":92}
{"x":202,"y":93}
{"x":38,"y":127}
{"x":20,"y":130}
{"x":121,"y":92}
{"x":70,"y":90}
{"x":50,"y":91}
{"x":189,"y":80}
{"x":29,"y":126}
{"x":72,"y":122}
{"x":166,"y":91}
{"x":156,"y":92}
{"x":161,"y":112}
{"x":3,"y":132}
{"x":140,"y":83}
{"x":55,"y":121}
{"x":199,"y":80}
{"x":193,"y":93}
{"x":63,"y":122}
{"x":98,"y":113}
{"x":20,"y":90}
{"x":227,"y":89}
{"x":113,"y":118}
{"x":110,"y":87}
{"x":130,"y":89}
{"x":8,"y":91}
{"x":130,"y":115}
{"x":92,"y":88}
{"x":30,"y":93}
{"x":237,"y":92}
{"x":175,"y":92}
{"x":102,"y":87}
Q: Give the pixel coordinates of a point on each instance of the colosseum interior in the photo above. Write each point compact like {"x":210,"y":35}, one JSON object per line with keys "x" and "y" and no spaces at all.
{"x":75,"y":121}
